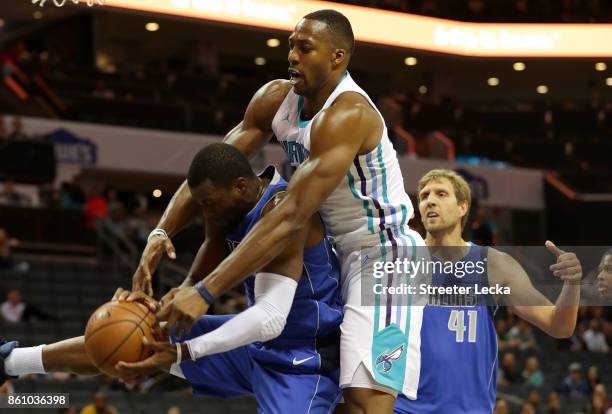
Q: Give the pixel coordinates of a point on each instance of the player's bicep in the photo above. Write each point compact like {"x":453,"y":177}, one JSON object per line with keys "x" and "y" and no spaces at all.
{"x":527,"y":302}
{"x":255,"y":130}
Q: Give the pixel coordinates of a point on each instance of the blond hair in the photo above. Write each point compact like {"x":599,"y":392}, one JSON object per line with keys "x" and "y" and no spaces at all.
{"x":463,"y":194}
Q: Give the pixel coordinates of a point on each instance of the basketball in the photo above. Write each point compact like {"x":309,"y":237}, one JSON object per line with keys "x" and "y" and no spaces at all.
{"x":115,"y":332}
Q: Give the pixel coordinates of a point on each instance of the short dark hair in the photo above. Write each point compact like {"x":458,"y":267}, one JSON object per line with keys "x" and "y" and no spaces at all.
{"x":220,"y":163}
{"x":338,"y":25}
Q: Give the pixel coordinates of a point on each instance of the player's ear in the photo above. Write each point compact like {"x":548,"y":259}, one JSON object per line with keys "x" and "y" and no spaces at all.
{"x":338,"y":57}
{"x":463,"y":208}
{"x":240,"y":185}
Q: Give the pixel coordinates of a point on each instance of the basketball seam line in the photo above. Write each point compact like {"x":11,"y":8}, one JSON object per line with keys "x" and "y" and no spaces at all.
{"x":124,"y":339}
{"x":92,"y":334}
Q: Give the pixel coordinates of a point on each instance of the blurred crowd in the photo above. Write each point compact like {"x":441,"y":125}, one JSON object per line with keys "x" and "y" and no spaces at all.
{"x":542,"y":11}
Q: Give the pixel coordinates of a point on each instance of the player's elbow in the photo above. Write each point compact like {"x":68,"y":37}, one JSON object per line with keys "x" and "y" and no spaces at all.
{"x":563,"y":331}
{"x":272,"y":327}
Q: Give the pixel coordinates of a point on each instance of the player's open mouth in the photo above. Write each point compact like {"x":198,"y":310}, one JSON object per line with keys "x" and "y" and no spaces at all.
{"x":295,"y":76}
{"x":432,"y":214}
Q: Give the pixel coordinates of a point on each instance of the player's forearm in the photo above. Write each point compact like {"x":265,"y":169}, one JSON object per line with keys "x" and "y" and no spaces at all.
{"x":180,"y":211}
{"x":563,"y":321}
{"x":274,"y":233}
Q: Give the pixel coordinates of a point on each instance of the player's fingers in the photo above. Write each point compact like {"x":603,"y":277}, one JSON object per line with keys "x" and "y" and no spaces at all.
{"x":170,"y":251}
{"x":570,"y":271}
{"x":553,"y":248}
{"x":117,"y":294}
{"x":164,"y":313}
{"x":564,"y":265}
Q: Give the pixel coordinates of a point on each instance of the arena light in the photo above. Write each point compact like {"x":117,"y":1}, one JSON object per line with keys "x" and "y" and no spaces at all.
{"x":542,"y":89}
{"x":410,"y":61}
{"x":37,"y":15}
{"x":493,"y":81}
{"x":401,"y":29}
{"x":152,"y":27}
{"x":157,"y":193}
{"x":609,"y":81}
{"x":273,"y":42}
{"x":422,"y":89}
{"x":260,"y":61}
{"x":600,"y":66}
{"x":518,"y":66}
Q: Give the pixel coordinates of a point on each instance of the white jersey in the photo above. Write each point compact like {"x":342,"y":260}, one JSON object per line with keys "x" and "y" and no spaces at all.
{"x":370,"y":205}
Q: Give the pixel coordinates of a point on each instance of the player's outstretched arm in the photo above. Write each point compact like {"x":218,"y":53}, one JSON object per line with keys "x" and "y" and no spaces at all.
{"x":249,"y":136}
{"x":559,"y":319}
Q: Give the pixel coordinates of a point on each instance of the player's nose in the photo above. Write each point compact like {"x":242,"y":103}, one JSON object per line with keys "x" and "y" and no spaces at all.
{"x":292,"y":57}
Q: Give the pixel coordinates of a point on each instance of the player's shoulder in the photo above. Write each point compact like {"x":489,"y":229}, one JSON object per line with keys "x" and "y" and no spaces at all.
{"x":350,"y":108}
{"x":275,"y":91}
{"x":501,"y":265}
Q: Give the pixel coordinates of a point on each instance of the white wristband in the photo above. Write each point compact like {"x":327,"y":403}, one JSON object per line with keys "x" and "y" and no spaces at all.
{"x":179,"y":353}
{"x":157,"y":232}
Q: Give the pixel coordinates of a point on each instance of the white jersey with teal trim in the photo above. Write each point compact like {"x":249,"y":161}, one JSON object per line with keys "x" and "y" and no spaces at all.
{"x":370,"y":204}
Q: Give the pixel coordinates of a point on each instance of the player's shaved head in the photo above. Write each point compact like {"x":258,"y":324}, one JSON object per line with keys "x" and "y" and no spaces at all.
{"x":219,"y":163}
{"x":339,"y":28}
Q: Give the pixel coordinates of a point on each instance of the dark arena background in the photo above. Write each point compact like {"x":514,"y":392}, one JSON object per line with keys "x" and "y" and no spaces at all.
{"x":102,"y":108}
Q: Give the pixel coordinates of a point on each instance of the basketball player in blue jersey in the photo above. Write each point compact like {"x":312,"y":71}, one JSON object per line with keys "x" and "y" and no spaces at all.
{"x":284,"y":349}
{"x":348,"y":171}
{"x":458,"y":338}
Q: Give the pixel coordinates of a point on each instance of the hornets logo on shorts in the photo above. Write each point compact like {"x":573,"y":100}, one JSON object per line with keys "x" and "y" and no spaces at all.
{"x":384,"y":362}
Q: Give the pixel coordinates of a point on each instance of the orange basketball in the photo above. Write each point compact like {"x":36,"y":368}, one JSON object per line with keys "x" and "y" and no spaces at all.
{"x":114,"y":333}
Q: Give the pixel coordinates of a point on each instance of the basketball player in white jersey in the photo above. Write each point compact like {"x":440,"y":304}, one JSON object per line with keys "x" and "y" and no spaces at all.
{"x":348,"y":171}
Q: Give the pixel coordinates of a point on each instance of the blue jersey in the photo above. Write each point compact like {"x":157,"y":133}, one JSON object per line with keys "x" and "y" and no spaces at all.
{"x":310,"y":340}
{"x":458,"y":344}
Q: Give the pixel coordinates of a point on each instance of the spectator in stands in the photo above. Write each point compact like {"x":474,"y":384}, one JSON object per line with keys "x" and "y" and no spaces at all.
{"x":15,"y":310}
{"x":521,"y":337}
{"x":532,"y":375}
{"x":71,"y":196}
{"x":501,"y":327}
{"x":554,"y":403}
{"x":484,"y":227}
{"x":99,"y":406}
{"x":600,"y":399}
{"x":173,"y":410}
{"x":509,"y":373}
{"x":594,"y":338}
{"x":574,"y":385}
{"x":11,"y":197}
{"x":501,"y":407}
{"x":527,"y":408}
{"x":534,"y":398}
{"x":593,"y":377}
{"x":6,"y":260}
{"x":17,"y":134}
{"x":96,"y":207}
{"x":68,"y":410}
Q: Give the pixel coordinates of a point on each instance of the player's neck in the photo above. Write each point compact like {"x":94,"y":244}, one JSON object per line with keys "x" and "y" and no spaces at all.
{"x":314,"y":103}
{"x":451,"y":237}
